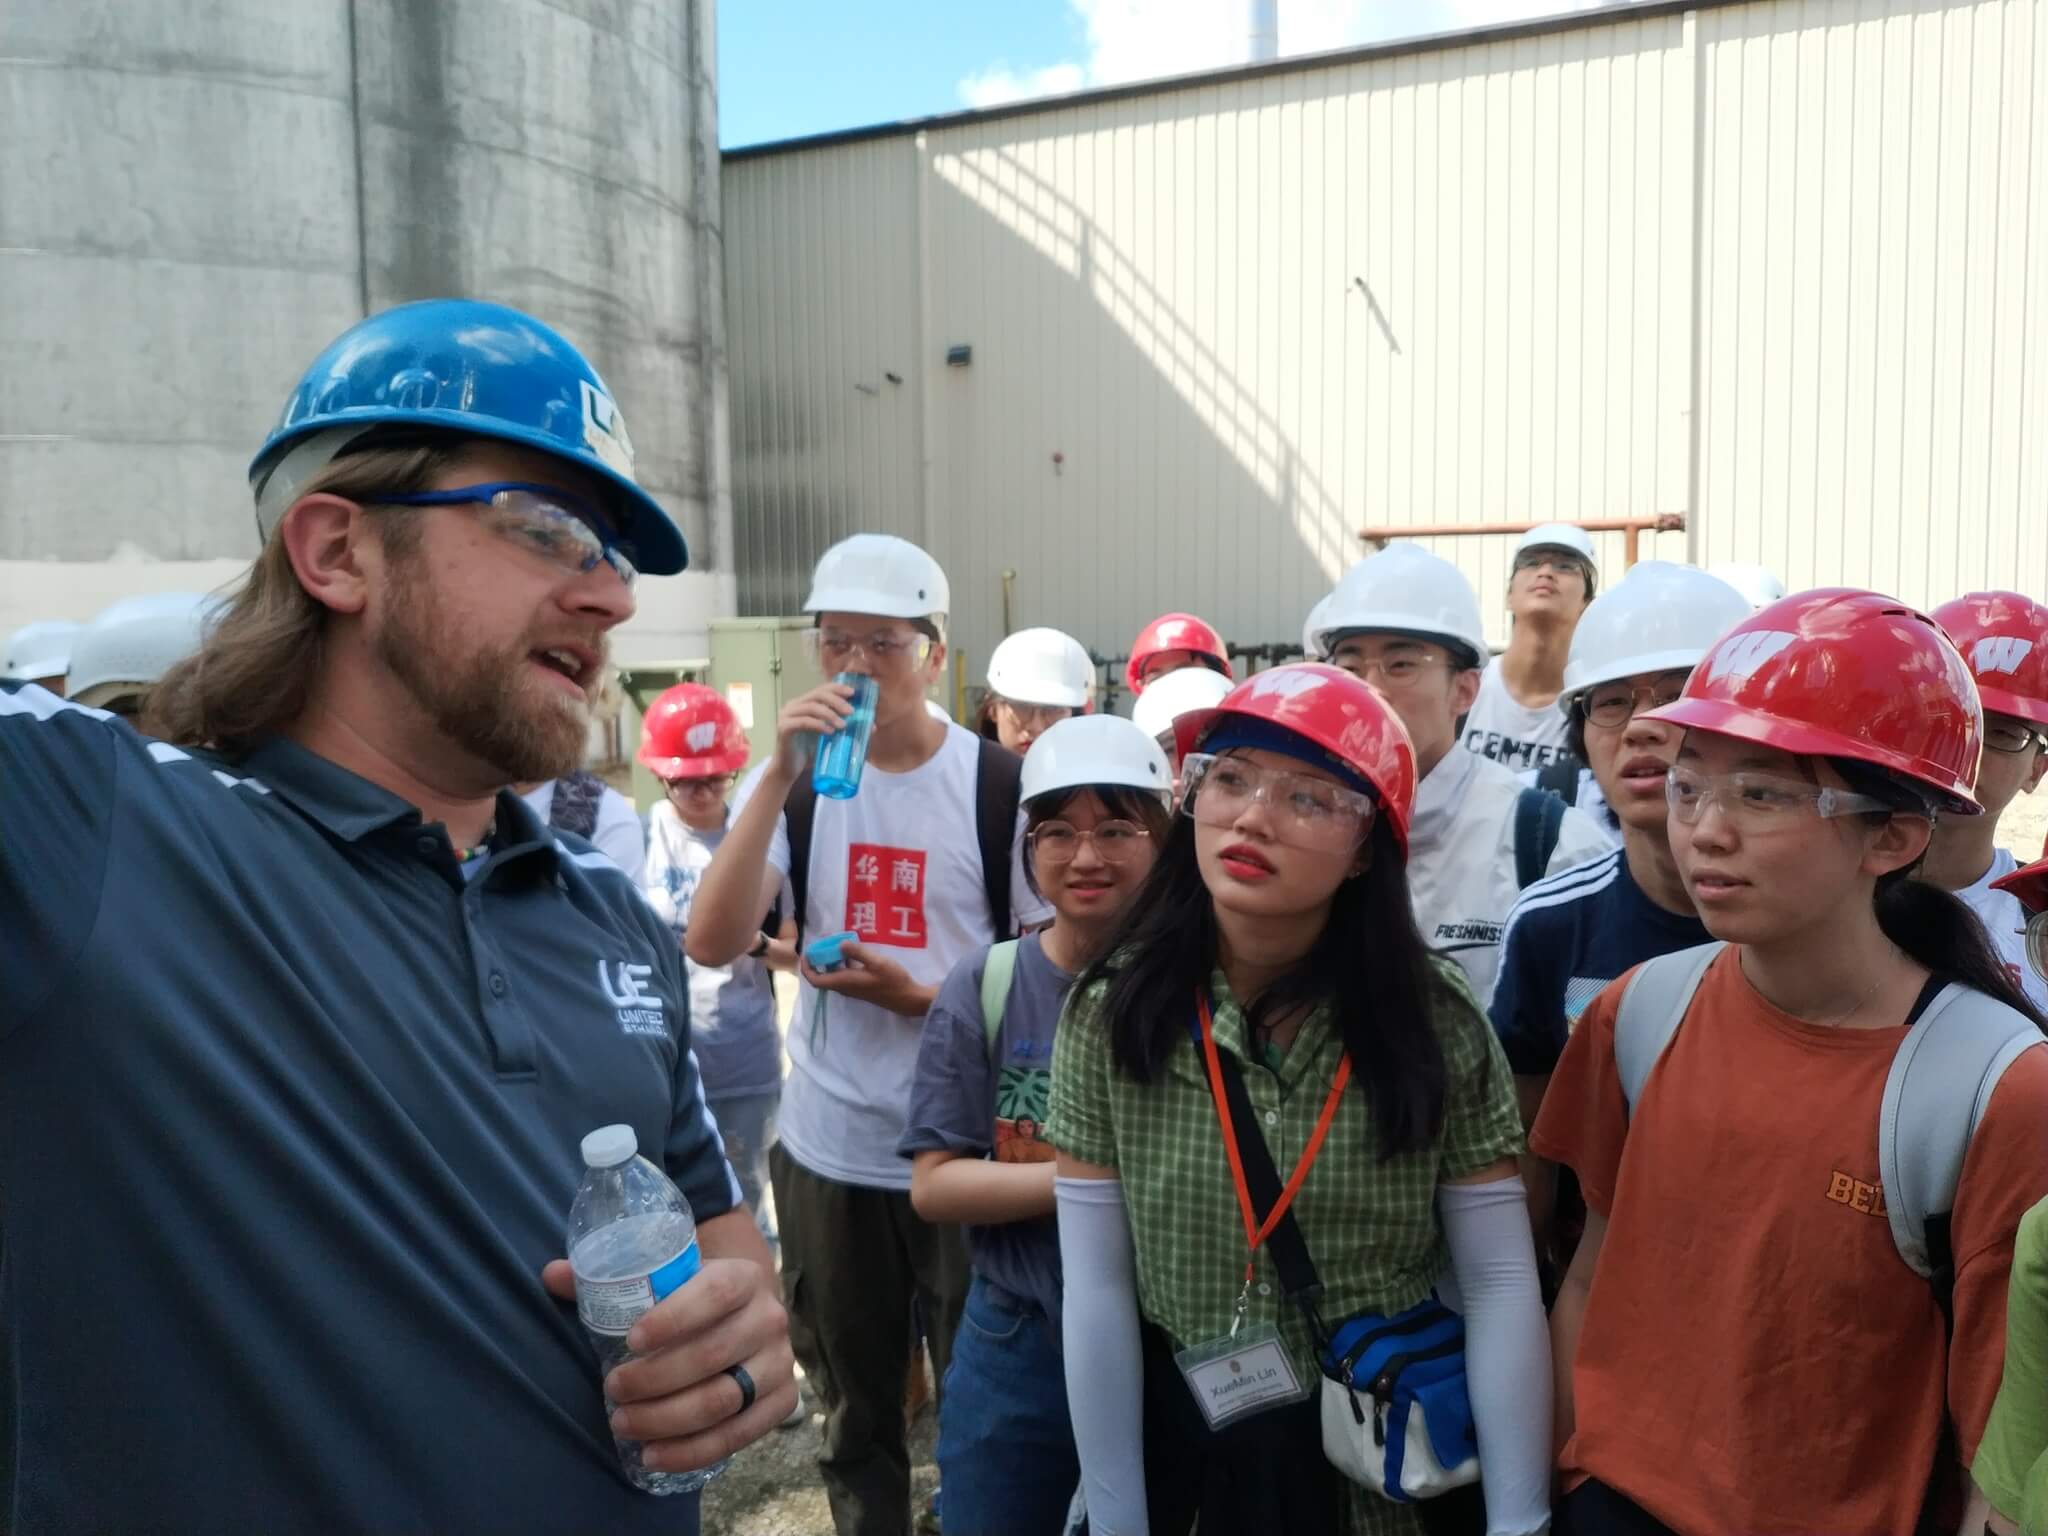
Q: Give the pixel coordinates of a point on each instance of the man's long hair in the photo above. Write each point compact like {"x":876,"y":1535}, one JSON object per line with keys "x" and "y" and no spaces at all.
{"x":254,"y":674}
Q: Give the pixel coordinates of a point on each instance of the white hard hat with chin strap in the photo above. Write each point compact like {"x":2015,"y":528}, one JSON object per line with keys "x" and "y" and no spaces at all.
{"x":1658,"y":618}
{"x":1404,"y":590}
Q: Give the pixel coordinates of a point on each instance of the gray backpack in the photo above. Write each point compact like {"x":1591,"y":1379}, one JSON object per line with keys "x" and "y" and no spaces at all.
{"x":1940,"y":1081}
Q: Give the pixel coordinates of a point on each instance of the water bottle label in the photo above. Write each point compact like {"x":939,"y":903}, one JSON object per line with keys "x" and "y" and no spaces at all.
{"x":670,"y":1277}
{"x":612,"y":1307}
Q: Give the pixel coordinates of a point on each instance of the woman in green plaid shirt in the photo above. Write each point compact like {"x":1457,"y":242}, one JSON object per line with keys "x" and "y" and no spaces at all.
{"x":1280,"y":900}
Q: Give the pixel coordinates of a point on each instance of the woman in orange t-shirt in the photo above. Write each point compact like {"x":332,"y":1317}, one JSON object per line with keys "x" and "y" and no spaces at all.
{"x":1739,"y":1346}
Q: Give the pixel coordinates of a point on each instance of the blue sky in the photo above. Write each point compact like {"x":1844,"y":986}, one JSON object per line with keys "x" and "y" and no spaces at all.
{"x":792,"y":67}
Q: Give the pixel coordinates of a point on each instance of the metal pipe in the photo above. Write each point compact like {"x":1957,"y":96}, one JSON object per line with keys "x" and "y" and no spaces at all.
{"x":1632,"y":527}
{"x":1009,"y":586}
{"x":1262,"y":23}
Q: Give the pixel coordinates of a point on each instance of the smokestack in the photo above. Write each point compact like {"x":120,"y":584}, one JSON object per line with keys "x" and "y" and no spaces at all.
{"x":1263,"y":20}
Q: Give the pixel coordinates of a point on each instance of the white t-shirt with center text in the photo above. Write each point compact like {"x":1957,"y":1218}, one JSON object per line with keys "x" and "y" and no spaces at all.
{"x":1509,"y":732}
{"x":900,"y":865}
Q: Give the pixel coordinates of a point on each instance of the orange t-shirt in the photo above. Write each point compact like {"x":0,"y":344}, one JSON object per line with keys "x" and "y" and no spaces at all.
{"x":1756,"y":1356}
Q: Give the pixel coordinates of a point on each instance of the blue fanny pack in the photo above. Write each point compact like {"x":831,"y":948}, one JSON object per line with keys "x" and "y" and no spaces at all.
{"x":1396,"y":1414}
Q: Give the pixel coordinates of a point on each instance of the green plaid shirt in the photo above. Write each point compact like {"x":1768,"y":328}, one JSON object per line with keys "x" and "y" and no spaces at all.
{"x":1370,"y":1225}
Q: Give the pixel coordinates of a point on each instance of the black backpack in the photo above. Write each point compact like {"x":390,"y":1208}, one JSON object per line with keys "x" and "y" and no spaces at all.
{"x":998,"y":783}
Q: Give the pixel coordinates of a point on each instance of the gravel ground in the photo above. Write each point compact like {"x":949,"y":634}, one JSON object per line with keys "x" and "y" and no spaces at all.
{"x":772,"y":1487}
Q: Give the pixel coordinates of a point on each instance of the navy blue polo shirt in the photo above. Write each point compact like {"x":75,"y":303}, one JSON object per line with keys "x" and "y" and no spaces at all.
{"x":1567,"y":937}
{"x":289,"y":1123}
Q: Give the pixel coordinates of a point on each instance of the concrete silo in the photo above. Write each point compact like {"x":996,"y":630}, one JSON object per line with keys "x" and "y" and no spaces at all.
{"x":198,"y":194}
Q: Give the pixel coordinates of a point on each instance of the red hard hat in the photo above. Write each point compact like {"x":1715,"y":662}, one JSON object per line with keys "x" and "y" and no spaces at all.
{"x":1844,"y":673}
{"x":1338,"y":712}
{"x":1175,"y":632}
{"x":2004,"y":638}
{"x":690,"y":732}
{"x":2028,"y":885}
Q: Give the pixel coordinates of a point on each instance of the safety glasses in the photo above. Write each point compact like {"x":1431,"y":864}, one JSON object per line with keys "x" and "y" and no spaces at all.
{"x":1305,"y":811}
{"x":1115,"y":842}
{"x":833,"y":650}
{"x":1760,"y":802}
{"x":562,"y":529}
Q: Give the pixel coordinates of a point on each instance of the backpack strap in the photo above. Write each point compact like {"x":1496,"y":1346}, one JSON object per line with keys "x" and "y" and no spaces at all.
{"x":573,"y":806}
{"x":996,"y":973}
{"x":799,"y":813}
{"x":1539,"y":816}
{"x":1940,"y":1082}
{"x":998,"y":784}
{"x":1653,"y":1005}
{"x":1561,"y":778}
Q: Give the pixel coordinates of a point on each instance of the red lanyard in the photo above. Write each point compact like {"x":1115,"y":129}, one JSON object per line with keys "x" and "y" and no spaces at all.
{"x":1255,"y":1231}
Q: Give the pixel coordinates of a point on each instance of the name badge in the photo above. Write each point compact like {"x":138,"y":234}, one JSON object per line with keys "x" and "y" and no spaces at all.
{"x":1244,"y":1373}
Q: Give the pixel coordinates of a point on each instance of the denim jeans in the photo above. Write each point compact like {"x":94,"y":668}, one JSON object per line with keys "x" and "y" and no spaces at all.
{"x":1006,"y":1445}
{"x":746,"y":1124}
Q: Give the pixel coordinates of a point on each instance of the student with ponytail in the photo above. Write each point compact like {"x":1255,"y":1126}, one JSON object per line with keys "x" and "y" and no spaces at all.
{"x":1757,"y":1332}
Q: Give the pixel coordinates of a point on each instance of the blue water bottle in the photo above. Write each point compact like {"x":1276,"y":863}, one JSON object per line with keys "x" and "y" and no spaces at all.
{"x":835,"y":772}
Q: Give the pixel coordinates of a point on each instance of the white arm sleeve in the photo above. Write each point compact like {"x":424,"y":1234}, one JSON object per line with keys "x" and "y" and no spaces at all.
{"x":1507,"y":1349}
{"x":1105,"y":1366}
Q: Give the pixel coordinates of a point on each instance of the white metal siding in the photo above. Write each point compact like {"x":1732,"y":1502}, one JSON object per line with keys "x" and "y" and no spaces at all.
{"x":1455,"y":286}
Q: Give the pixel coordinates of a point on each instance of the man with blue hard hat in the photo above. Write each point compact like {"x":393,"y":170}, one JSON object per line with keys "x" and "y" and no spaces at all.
{"x":297,"y":1055}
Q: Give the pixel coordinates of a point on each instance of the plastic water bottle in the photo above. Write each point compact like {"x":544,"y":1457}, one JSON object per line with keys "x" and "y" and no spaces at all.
{"x":632,"y":1241}
{"x":835,"y":772}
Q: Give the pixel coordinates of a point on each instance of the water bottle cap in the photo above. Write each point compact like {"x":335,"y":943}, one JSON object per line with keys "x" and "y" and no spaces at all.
{"x":609,"y":1145}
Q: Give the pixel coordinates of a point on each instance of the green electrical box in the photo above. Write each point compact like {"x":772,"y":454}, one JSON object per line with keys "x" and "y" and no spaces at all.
{"x":759,"y":665}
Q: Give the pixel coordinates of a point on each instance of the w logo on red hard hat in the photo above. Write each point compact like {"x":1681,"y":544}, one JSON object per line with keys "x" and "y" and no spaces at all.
{"x":1738,"y":657}
{"x":1999,"y":653}
{"x":1287,"y":682}
{"x":702,"y":735}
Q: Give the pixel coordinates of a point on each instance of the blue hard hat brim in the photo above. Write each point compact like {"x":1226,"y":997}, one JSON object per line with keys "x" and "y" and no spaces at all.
{"x":657,"y":541}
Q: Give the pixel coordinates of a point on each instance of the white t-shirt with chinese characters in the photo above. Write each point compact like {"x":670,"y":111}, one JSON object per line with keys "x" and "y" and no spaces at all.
{"x":2006,"y":921}
{"x":900,"y":865}
{"x":1509,"y":732}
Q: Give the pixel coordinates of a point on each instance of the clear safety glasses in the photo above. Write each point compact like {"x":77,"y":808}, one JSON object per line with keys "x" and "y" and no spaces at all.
{"x":1306,"y":811}
{"x":833,"y":650}
{"x":1759,"y":802}
{"x":562,"y":529}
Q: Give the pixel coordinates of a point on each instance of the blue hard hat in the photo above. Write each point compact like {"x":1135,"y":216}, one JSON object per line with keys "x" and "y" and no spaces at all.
{"x":482,"y":370}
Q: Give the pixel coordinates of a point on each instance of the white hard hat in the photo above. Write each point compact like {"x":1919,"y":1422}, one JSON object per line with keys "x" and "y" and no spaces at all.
{"x":1558,"y":536}
{"x":1042,"y":666}
{"x":41,"y":649}
{"x":1758,"y":583}
{"x":1658,"y":618}
{"x":1312,"y":628}
{"x":881,"y":574}
{"x":134,"y":642}
{"x":1405,"y":590}
{"x":1174,"y":695}
{"x":1096,"y":749}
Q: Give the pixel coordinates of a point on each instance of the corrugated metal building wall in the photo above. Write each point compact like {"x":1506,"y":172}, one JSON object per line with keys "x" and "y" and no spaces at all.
{"x":1219,"y":326}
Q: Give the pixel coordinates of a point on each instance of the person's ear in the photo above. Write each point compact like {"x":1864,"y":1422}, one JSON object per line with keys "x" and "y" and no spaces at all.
{"x":1464,"y":691}
{"x":1899,"y":844}
{"x":332,"y":548}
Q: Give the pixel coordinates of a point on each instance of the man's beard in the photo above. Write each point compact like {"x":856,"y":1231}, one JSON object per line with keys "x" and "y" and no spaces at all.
{"x":484,"y":702}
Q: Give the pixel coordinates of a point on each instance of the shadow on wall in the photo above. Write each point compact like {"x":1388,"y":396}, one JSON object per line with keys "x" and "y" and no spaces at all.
{"x":1174,"y":486}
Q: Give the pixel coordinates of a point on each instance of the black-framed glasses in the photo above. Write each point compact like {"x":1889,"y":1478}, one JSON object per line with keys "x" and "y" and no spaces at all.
{"x":714,"y":784}
{"x":1613,"y":704}
{"x":2009,"y":735}
{"x":561,"y":528}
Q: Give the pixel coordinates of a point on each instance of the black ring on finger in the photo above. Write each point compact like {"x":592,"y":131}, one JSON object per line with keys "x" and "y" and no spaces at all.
{"x":746,"y":1385}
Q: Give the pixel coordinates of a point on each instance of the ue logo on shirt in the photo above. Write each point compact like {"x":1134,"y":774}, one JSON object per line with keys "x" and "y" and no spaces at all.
{"x":624,"y":986}
{"x":885,"y":894}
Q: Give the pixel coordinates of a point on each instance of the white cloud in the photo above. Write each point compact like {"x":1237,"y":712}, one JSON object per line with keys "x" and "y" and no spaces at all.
{"x":1147,"y":39}
{"x":999,"y":84}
